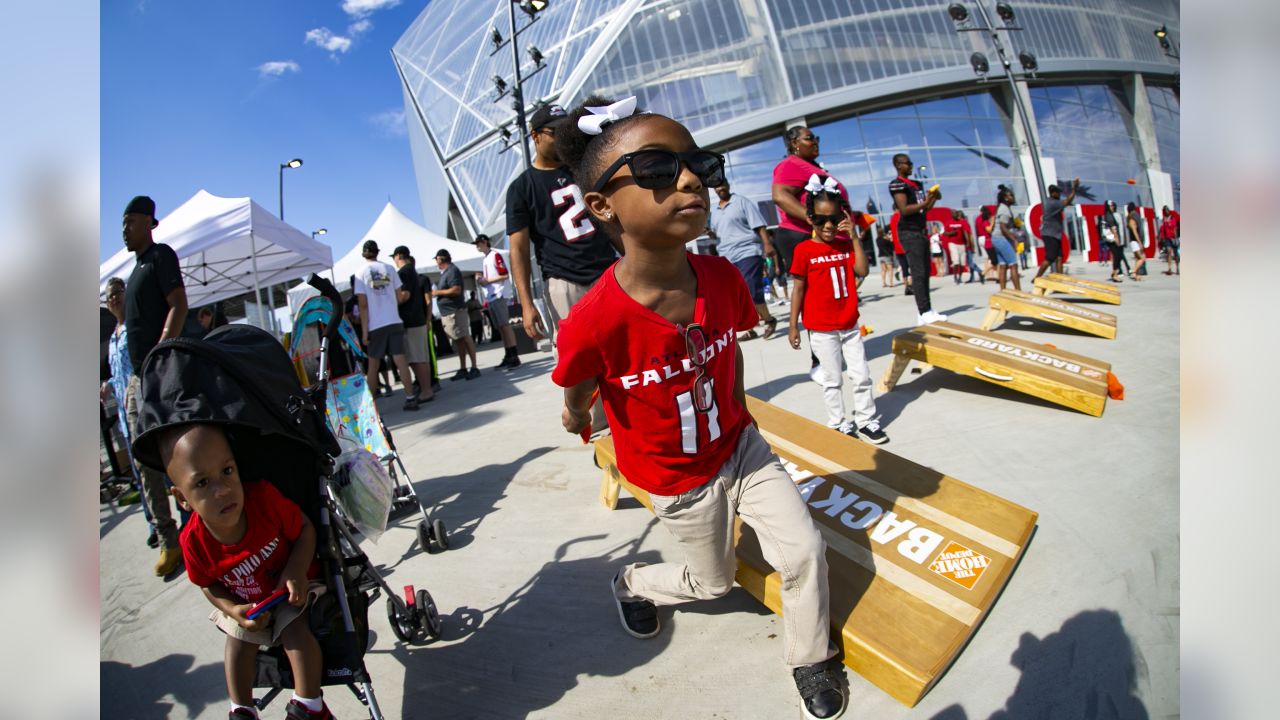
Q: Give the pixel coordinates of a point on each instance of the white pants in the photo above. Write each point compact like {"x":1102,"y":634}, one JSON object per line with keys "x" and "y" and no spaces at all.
{"x":753,"y":485}
{"x":829,"y":347}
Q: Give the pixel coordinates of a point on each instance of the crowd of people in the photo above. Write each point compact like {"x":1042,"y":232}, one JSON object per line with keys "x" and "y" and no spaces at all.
{"x":646,"y":339}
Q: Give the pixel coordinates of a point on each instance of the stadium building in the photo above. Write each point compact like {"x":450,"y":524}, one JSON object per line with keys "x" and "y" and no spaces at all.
{"x":870,"y":77}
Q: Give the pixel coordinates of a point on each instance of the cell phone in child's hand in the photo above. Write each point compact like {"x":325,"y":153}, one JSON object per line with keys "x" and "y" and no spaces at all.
{"x":267,"y":603}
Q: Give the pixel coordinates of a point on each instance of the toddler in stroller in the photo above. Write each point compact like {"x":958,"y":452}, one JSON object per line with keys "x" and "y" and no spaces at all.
{"x":230,"y":408}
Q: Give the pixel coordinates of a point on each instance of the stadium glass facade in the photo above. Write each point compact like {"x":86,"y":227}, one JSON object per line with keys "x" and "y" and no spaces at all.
{"x":871,"y":77}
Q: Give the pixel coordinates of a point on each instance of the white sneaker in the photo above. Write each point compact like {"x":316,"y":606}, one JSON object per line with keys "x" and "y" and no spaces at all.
{"x":932,"y":316}
{"x":846,"y":427}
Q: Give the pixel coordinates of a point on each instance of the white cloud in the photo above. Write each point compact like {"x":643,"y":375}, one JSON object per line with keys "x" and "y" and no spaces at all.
{"x":390,"y":122}
{"x":276,"y":68}
{"x":359,"y":27}
{"x":324,"y":38}
{"x":361,"y":8}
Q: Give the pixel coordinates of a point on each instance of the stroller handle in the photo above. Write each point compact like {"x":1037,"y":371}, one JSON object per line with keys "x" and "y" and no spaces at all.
{"x":330,"y":292}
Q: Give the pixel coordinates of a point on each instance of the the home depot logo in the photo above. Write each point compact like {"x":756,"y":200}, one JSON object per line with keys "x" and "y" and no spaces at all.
{"x":960,"y":565}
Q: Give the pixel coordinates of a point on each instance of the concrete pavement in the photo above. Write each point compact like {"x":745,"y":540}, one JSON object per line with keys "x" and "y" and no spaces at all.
{"x":1088,"y":625}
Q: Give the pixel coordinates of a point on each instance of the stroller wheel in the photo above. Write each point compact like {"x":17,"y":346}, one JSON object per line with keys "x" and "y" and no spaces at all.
{"x":438,"y":533}
{"x":402,"y":624}
{"x":424,"y":538}
{"x":427,"y":618}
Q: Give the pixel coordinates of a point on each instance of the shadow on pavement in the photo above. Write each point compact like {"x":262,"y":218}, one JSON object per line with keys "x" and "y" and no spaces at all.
{"x":526,"y":653}
{"x":143,"y":692}
{"x":891,"y":404}
{"x":1086,"y":670}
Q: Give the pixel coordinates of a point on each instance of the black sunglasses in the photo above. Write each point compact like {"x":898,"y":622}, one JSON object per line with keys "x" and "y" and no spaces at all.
{"x":820,"y":220}
{"x":695,"y":343}
{"x":658,"y":169}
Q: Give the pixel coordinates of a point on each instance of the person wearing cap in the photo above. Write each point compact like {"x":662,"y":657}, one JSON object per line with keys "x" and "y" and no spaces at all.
{"x":545,"y":208}
{"x":417,"y":332}
{"x":1051,"y":227}
{"x":155,"y":309}
{"x":379,"y":295}
{"x":454,"y":315}
{"x":495,"y":281}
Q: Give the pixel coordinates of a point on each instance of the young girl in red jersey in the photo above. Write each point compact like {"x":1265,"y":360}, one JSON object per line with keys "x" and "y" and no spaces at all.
{"x":657,"y":336}
{"x":825,"y":270}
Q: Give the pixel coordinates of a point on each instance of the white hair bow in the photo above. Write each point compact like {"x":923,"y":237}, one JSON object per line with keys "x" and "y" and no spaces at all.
{"x":594,"y":123}
{"x":817,"y":185}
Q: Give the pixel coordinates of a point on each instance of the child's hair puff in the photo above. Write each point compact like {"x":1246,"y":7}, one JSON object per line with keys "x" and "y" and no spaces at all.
{"x":583,"y":153}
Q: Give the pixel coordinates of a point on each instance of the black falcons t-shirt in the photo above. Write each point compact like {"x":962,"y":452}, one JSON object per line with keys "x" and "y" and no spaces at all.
{"x":550,"y":205}
{"x":413,"y":312}
{"x":915,"y":221}
{"x":145,"y":307}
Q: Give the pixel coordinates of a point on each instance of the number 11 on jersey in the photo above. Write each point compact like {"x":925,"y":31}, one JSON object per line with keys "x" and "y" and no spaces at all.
{"x":839,"y":282}
{"x":689,"y":419}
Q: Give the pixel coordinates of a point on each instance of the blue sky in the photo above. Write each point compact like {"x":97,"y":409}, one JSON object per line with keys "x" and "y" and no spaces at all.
{"x":216,"y":95}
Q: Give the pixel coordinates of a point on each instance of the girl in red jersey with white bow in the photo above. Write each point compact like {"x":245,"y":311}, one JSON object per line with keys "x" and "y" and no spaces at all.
{"x":657,"y":337}
{"x":826,"y":269}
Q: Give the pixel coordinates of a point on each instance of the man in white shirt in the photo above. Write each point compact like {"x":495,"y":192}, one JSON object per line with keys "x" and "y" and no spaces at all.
{"x":378,"y":292}
{"x":495,"y":281}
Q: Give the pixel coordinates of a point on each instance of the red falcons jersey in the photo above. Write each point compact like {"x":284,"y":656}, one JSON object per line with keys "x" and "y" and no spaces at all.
{"x":831,"y":288}
{"x":646,"y":377}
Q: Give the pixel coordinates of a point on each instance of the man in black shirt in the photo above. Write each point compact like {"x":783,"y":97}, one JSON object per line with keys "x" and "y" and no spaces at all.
{"x":417,"y":335}
{"x":545,"y":207}
{"x":155,"y":308}
{"x":913,"y":204}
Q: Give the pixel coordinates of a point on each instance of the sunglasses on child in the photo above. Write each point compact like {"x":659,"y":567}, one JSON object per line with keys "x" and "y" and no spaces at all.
{"x":821,"y":220}
{"x":658,"y":169}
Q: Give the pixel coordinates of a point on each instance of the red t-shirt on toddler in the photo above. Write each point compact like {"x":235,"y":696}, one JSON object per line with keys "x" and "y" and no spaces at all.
{"x":646,"y":378}
{"x":251,"y":568}
{"x":831,"y":288}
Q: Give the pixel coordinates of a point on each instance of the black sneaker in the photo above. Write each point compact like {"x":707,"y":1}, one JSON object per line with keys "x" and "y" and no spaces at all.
{"x":473,"y":373}
{"x":822,"y":690}
{"x":513,"y":363}
{"x":460,"y":375}
{"x":872,"y":433}
{"x":411,"y":403}
{"x":241,"y":714}
{"x":153,"y":540}
{"x":639,"y":617}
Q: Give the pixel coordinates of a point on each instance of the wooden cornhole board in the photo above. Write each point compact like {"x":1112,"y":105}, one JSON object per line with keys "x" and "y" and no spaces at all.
{"x":915,"y":558}
{"x":1077,"y":317}
{"x":1074,"y":286}
{"x":1075,"y":381}
{"x":1103,"y":286}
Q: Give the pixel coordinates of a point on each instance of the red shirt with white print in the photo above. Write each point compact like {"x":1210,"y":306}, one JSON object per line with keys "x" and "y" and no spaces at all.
{"x":251,"y":568}
{"x":831,"y":288}
{"x":646,"y":378}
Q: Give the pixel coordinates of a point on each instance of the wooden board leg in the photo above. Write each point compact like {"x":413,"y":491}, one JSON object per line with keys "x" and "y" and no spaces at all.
{"x":1037,"y":290}
{"x":994,"y":317}
{"x":609,"y":488}
{"x":893,"y":372}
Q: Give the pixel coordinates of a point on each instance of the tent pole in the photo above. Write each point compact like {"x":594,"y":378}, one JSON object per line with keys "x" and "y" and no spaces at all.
{"x":257,"y":291}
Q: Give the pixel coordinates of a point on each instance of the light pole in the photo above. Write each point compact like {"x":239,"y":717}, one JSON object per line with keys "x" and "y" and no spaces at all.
{"x":530,"y":8}
{"x":960,"y":14}
{"x":294,"y":163}
{"x":321,"y":231}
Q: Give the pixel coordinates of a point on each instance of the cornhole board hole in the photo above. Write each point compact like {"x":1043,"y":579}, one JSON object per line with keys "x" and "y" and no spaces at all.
{"x":1076,"y":381}
{"x":915,"y":558}
{"x":1103,"y":286}
{"x":1076,"y":317}
{"x":1073,"y":286}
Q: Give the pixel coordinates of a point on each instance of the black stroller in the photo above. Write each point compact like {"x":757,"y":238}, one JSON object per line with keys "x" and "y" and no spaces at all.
{"x":241,"y":378}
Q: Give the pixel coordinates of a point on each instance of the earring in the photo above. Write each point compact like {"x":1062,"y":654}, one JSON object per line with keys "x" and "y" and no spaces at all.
{"x":608,"y":216}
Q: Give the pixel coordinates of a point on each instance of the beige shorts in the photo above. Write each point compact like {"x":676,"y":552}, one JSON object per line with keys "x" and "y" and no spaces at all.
{"x":457,"y":324}
{"x":282,"y":615}
{"x":415,"y":345}
{"x":955,"y":253}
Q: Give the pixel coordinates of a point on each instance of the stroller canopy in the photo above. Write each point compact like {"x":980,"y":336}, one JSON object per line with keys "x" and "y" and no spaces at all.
{"x":240,"y":377}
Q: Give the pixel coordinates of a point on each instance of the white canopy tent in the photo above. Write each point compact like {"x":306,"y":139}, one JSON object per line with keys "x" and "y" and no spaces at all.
{"x":390,"y":230}
{"x":228,"y":247}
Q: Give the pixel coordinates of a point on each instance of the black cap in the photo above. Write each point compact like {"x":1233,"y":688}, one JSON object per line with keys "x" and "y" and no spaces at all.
{"x":443,"y":254}
{"x":483,"y":237}
{"x":546,"y":115}
{"x":1054,"y":189}
{"x":143,"y":205}
{"x":370,"y":246}
{"x":400,"y":250}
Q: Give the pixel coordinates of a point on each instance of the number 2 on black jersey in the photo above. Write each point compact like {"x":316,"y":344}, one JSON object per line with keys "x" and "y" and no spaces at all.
{"x":573,"y":221}
{"x":689,"y":419}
